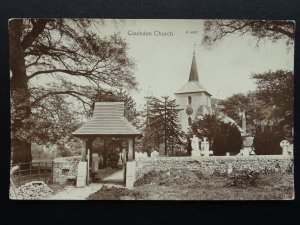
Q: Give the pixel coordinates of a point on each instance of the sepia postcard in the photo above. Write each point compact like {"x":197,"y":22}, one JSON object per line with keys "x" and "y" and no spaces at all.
{"x":151,"y":109}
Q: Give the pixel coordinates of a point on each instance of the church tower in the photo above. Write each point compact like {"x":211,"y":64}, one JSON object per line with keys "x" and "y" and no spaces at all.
{"x":193,"y":98}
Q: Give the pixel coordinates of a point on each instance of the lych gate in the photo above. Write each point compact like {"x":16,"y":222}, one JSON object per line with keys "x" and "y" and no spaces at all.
{"x":108,"y":121}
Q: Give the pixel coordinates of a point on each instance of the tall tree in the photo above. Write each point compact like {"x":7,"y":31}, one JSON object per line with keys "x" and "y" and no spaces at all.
{"x":276,"y":90}
{"x":57,"y":57}
{"x":254,"y":109}
{"x":274,"y":30}
{"x":162,"y":125}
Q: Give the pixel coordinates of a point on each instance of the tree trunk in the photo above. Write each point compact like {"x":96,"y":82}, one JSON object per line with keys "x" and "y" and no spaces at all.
{"x":21,"y":145}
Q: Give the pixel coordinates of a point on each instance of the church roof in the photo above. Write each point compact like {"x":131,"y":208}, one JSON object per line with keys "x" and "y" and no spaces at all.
{"x":194,"y":72}
{"x":108,"y":119}
{"x":193,"y":84}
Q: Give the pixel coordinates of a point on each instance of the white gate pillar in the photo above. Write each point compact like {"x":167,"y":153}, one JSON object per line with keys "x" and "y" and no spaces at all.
{"x":130,"y":149}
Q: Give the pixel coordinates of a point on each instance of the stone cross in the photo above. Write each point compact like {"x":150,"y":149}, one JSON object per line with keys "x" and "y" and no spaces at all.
{"x":284,"y":144}
{"x":205,"y":148}
{"x":120,"y":162}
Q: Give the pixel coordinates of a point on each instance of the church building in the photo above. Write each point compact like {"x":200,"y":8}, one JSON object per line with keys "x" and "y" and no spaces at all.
{"x":193,"y":98}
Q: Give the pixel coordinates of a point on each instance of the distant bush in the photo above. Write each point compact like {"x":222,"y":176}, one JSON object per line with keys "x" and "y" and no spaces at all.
{"x":181,"y":153}
{"x":267,"y":141}
{"x":64,"y":151}
{"x":223,"y":137}
{"x":38,"y":152}
{"x":113,"y":158}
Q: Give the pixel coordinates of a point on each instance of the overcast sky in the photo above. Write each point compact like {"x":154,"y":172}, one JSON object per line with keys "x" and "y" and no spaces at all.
{"x":163,"y":62}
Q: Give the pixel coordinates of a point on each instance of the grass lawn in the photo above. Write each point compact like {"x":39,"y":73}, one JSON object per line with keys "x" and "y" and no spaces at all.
{"x":266,"y":187}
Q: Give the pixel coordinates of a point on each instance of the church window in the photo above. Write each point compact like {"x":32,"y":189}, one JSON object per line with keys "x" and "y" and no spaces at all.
{"x":190,"y":121}
{"x":189,"y":100}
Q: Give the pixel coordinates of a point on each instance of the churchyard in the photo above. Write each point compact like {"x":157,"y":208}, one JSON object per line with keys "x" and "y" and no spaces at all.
{"x":192,"y":186}
{"x":107,"y":122}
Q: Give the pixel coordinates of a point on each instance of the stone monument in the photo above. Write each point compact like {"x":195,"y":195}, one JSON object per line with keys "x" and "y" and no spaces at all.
{"x":205,"y":148}
{"x":154,"y":154}
{"x":195,"y":146}
{"x":285,"y":145}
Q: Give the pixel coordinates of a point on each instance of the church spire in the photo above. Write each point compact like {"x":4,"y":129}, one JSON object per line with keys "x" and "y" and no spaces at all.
{"x":194,"y":72}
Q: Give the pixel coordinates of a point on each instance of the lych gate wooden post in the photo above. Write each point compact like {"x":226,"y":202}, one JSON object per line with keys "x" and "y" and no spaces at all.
{"x":124,"y":158}
{"x":88,"y":167}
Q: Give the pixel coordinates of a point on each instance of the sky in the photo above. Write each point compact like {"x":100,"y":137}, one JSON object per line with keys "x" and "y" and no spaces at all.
{"x":163,"y":62}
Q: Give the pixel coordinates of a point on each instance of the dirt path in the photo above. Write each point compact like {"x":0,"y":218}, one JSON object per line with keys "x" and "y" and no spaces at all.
{"x":74,"y":193}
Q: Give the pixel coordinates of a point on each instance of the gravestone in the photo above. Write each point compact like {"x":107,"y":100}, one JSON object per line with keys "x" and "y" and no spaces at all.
{"x":291,"y":149}
{"x":95,"y":162}
{"x":154,"y":154}
{"x":120,"y":162}
{"x":139,"y":155}
{"x":205,"y":148}
{"x":195,"y":143}
{"x":285,"y":145}
{"x":195,"y":146}
{"x":229,"y":168}
{"x":247,"y":146}
{"x":81,"y":174}
{"x":244,"y":152}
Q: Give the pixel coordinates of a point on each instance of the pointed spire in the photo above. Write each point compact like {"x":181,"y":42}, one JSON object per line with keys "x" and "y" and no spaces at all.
{"x":194,"y":72}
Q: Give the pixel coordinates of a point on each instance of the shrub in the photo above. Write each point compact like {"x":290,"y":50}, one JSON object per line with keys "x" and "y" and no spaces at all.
{"x":243,"y":179}
{"x":224,"y":137}
{"x":267,"y":141}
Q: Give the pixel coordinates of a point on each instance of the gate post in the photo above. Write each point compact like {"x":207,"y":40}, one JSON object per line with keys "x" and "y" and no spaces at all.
{"x":130,"y":174}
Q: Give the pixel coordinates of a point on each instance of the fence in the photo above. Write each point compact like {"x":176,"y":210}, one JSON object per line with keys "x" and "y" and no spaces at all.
{"x":33,"y":171}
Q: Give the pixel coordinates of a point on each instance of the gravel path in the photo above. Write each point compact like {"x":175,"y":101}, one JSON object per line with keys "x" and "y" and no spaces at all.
{"x":74,"y":193}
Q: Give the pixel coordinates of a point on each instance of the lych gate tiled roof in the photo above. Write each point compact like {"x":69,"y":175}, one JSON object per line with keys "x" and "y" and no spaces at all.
{"x":108,"y":119}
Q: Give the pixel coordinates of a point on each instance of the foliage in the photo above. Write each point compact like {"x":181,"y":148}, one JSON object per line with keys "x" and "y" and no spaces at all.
{"x":255,"y":109}
{"x":55,"y":62}
{"x":271,"y":103}
{"x":223,"y":137}
{"x":276,"y":90}
{"x":63,"y":151}
{"x":267,"y":140}
{"x":162,"y":125}
{"x":38,"y":152}
{"x":274,"y":30}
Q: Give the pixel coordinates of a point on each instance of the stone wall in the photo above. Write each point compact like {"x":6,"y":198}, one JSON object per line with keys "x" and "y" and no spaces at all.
{"x":65,"y":168}
{"x":216,"y":164}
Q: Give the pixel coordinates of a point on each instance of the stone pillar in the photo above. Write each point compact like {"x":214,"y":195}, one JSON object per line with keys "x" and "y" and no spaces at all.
{"x":244,"y":127}
{"x":130,"y":174}
{"x":130,"y":149}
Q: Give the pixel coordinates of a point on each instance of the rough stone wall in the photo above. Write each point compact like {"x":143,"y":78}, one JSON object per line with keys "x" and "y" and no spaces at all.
{"x":216,"y":164}
{"x":65,"y":168}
